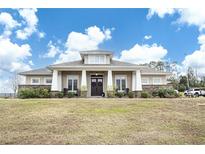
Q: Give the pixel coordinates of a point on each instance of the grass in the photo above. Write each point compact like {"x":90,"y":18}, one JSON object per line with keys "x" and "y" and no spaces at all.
{"x":102,"y":121}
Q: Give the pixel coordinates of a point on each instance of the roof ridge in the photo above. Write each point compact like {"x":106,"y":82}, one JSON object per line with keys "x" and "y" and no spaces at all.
{"x":65,"y":62}
{"x":124,"y":62}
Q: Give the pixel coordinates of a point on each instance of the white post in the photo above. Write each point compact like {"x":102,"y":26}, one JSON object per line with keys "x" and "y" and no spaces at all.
{"x":60,"y":81}
{"x":54,"y":86}
{"x":133,"y":81}
{"x":138,"y":81}
{"x":109,"y":81}
{"x":84,"y":81}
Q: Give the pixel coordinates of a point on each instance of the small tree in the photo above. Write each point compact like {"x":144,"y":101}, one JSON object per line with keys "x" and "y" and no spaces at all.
{"x":14,"y":82}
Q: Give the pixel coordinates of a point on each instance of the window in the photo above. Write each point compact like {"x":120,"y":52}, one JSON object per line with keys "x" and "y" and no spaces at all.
{"x":72,"y":82}
{"x":121,"y":82}
{"x":96,"y":59}
{"x":48,"y":81}
{"x":35,"y":80}
{"x":145,"y":81}
{"x":156,"y":80}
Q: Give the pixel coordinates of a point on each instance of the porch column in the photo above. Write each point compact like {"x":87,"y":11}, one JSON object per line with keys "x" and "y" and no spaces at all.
{"x":54,"y":86}
{"x":60,"y":81}
{"x":133,"y":81}
{"x":109,"y":81}
{"x":84,"y":81}
{"x":138,"y":81}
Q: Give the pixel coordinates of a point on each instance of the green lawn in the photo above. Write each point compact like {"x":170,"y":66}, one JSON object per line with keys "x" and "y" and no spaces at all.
{"x":102,"y":121}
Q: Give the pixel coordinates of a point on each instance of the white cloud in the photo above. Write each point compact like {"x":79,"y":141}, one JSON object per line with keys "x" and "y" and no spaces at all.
{"x":201,"y":39}
{"x":68,"y":56}
{"x":189,"y":16}
{"x":140,"y":54}
{"x":7,"y":20}
{"x":53,"y":50}
{"x":31,"y":21}
{"x":12,"y":56}
{"x":41,"y":34}
{"x":92,"y":37}
{"x":196,"y":59}
{"x":147,"y":37}
{"x":30,"y":62}
{"x":192,"y":16}
{"x":89,"y":40}
{"x":161,"y":12}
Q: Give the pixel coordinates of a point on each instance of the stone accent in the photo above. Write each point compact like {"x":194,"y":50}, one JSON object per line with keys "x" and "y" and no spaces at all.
{"x":83,"y":94}
{"x":110,"y":94}
{"x":151,"y":88}
{"x":137,"y":94}
{"x":53,"y":94}
{"x":34,"y":86}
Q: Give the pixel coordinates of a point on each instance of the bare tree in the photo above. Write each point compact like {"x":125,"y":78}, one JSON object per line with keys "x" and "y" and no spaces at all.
{"x":14,"y":82}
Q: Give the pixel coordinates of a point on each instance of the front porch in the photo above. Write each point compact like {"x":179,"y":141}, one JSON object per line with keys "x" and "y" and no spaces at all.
{"x":88,"y":83}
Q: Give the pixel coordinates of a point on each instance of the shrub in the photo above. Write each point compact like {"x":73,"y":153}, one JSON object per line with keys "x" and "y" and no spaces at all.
{"x":130,"y":94}
{"x":71,"y":94}
{"x":181,"y":94}
{"x":145,"y":94}
{"x":25,"y":93}
{"x":166,"y":93}
{"x":42,"y":93}
{"x":119,"y":94}
{"x":59,"y":94}
{"x":155,"y":93}
{"x":34,"y":93}
{"x":110,"y":94}
{"x":182,"y":88}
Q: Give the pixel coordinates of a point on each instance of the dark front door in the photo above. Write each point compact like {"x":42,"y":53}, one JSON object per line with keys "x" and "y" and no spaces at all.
{"x":96,"y":86}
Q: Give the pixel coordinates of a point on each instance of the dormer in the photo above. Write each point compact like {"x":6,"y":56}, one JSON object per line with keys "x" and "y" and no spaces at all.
{"x":96,"y":57}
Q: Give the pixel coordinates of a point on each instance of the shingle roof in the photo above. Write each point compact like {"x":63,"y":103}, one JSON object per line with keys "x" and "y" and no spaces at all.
{"x":40,"y":71}
{"x":80,"y":63}
{"x":46,"y":71}
{"x":148,"y":70}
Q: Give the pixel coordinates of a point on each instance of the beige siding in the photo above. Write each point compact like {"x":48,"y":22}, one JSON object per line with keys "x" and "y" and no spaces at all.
{"x":85,"y":59}
{"x":129,"y":78}
{"x":150,"y":78}
{"x":42,"y":78}
{"x":107,"y":59}
{"x":65,"y":78}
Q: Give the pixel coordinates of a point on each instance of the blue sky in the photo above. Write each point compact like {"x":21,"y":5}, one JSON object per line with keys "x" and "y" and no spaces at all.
{"x":171,"y":34}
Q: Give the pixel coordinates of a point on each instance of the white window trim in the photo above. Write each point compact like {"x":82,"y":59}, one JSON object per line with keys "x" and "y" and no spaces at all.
{"x":145,"y":79}
{"x":50,"y":78}
{"x":120,"y":77}
{"x":157,"y":83}
{"x":73,"y":77}
{"x":39,"y":81}
{"x":95,"y":59}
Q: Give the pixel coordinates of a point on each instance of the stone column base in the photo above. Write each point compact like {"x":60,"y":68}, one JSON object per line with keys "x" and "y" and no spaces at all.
{"x":83,"y":94}
{"x":137,"y":94}
{"x":110,"y":94}
{"x":54,"y":93}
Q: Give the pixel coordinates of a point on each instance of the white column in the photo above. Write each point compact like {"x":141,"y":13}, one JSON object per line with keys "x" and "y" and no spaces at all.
{"x":60,"y":81}
{"x":133,"y":81}
{"x":54,"y":86}
{"x":109,"y":81}
{"x":138,"y":81}
{"x":84,"y":81}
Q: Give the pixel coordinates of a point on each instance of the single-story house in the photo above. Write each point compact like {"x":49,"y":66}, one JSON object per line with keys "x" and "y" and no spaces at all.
{"x":95,"y":74}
